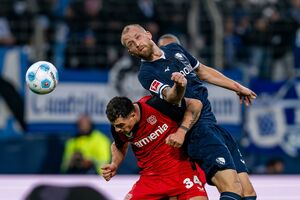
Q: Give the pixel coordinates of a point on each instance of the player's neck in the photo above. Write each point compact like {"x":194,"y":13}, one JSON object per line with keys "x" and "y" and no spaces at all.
{"x":157,"y":53}
{"x":137,"y":112}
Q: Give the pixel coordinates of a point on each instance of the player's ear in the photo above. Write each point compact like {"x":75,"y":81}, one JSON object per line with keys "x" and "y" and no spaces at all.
{"x":132,"y":115}
{"x":149,"y":35}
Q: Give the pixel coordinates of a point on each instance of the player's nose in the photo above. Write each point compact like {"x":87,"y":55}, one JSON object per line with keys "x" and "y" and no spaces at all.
{"x":137,"y":43}
{"x":118,"y":130}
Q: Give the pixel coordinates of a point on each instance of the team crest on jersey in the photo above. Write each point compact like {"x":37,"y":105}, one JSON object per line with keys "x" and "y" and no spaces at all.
{"x":221,"y":160}
{"x":152,"y":120}
{"x":155,"y":86}
{"x":179,"y":56}
{"x":187,"y":69}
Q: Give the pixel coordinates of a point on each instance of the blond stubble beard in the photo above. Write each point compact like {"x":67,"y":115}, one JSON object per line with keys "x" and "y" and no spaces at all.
{"x":146,"y":55}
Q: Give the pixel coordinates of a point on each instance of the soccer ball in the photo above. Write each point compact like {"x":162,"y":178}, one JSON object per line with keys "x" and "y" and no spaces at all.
{"x":42,"y":77}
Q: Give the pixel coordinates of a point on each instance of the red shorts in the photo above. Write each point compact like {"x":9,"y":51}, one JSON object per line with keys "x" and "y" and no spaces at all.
{"x":184,"y":185}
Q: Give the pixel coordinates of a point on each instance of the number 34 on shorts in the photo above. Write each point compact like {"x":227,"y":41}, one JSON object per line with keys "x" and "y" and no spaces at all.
{"x":191,"y":182}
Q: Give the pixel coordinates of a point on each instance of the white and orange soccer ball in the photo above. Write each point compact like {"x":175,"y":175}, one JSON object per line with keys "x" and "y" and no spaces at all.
{"x":42,"y":77}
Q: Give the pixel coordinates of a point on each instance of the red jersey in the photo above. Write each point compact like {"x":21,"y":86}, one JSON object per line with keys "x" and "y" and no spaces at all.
{"x":148,"y":137}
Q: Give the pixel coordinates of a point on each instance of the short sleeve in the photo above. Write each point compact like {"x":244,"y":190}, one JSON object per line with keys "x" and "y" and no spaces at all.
{"x":149,"y":81}
{"x":193,"y":61}
{"x":119,"y":143}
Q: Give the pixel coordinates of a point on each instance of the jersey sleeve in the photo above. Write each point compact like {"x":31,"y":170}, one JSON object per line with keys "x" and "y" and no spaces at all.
{"x":175,"y":112}
{"x":150,"y":82}
{"x":119,"y":143}
{"x":194,"y":62}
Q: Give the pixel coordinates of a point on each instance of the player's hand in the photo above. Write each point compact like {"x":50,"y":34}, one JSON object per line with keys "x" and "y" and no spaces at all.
{"x":108,"y":171}
{"x":176,"y":139}
{"x":179,"y":79}
{"x":246,"y":95}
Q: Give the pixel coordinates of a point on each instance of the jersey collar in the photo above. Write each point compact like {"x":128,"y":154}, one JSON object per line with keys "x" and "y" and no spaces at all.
{"x":163,"y":56}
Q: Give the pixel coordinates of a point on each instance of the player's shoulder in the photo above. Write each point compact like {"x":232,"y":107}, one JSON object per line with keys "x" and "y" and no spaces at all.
{"x":145,"y":99}
{"x":145,"y":65}
{"x":151,"y":100}
{"x":146,"y":71}
{"x":172,"y":46}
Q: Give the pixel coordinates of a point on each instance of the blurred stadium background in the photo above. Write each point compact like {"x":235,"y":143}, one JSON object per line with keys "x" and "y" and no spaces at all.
{"x":256,"y":42}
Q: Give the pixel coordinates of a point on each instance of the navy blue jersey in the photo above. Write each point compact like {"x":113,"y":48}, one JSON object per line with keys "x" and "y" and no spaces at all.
{"x":155,"y":76}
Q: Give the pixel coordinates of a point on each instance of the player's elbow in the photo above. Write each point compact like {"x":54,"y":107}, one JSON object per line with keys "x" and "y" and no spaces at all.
{"x":203,"y":72}
{"x":195,"y":105}
{"x":172,"y":96}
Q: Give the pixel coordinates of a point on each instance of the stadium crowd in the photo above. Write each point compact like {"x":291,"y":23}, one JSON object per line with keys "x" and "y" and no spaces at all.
{"x":259,"y":36}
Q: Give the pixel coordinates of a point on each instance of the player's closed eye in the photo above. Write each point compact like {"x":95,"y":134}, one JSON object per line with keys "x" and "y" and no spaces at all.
{"x":129,"y":44}
{"x":119,"y":126}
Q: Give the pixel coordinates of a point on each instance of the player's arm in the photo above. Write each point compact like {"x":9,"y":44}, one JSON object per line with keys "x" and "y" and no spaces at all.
{"x":214,"y":77}
{"x":191,"y":115}
{"x":175,"y":93}
{"x":118,"y":154}
{"x":158,"y":86}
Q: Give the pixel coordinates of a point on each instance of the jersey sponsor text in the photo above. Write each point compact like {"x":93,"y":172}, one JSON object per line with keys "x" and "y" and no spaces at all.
{"x":152,"y":136}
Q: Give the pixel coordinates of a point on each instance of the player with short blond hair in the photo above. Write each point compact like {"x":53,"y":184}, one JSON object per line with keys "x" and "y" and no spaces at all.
{"x":211,"y":146}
